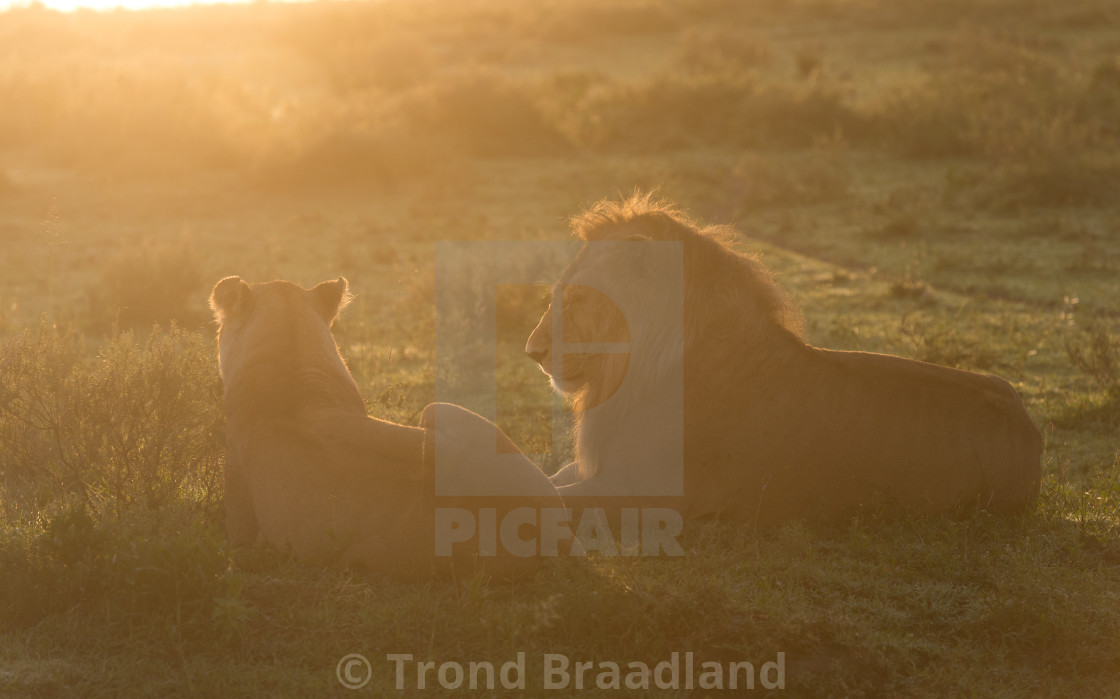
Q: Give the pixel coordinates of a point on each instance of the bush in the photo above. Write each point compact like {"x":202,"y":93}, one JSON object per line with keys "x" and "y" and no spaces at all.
{"x":586,"y":22}
{"x":354,"y":154}
{"x":352,"y":59}
{"x":110,"y":482}
{"x":1049,"y":130}
{"x":166,"y":567}
{"x":136,"y":425}
{"x":939,"y":342}
{"x":1095,"y":351}
{"x":724,"y":52}
{"x":675,"y":111}
{"x":1059,"y":170}
{"x":380,"y":139}
{"x":133,"y":116}
{"x":482,"y":114}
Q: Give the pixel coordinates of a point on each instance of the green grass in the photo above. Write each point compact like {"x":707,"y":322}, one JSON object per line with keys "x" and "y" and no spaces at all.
{"x":935,"y":180}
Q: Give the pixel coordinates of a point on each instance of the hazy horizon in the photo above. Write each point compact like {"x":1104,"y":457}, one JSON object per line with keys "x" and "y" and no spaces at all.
{"x":132,"y":5}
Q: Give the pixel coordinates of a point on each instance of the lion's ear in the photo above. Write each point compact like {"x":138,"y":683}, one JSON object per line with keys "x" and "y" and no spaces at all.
{"x":230,"y":298}
{"x":329,"y":298}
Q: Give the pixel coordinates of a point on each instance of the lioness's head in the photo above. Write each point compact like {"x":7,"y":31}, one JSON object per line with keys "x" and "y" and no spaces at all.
{"x":276,"y":326}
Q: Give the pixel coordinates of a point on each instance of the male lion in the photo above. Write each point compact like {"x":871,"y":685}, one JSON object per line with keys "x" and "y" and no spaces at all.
{"x":310,"y":472}
{"x":767,"y":427}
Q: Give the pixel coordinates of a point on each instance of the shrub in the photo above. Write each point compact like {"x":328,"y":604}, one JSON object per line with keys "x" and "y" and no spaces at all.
{"x":89,"y":112}
{"x":167,"y":568}
{"x":938,"y":342}
{"x":584,"y":22}
{"x":724,"y":52}
{"x":482,"y":114}
{"x":910,"y":288}
{"x":1095,"y":351}
{"x":675,"y":111}
{"x":136,"y":425}
{"x":355,"y":154}
{"x":382,"y":139}
{"x":1058,"y":171}
{"x":928,"y":123}
{"x":809,"y":64}
{"x":351,"y":60}
{"x":1048,"y":130}
{"x":901,"y":227}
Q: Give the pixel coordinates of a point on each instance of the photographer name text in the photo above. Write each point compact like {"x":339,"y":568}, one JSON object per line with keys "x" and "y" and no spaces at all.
{"x":558,"y":671}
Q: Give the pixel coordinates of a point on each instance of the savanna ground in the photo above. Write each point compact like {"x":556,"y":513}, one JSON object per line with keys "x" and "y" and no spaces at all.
{"x":934,"y":179}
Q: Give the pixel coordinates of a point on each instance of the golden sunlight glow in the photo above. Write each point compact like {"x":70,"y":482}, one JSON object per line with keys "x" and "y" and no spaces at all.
{"x":106,"y":5}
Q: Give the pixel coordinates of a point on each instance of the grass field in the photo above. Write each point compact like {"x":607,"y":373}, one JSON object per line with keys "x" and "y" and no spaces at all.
{"x":939,"y":180}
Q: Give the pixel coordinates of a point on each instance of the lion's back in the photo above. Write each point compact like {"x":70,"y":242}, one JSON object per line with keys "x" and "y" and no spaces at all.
{"x":824,"y":431}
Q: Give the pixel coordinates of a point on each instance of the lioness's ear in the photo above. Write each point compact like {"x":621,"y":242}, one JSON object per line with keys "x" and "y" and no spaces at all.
{"x":230,"y":298}
{"x":330,"y":297}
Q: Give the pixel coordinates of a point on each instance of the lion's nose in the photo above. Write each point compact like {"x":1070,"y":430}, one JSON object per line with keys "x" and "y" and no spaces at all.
{"x":536,"y":355}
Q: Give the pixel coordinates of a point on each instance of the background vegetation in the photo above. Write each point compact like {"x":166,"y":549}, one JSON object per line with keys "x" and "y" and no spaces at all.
{"x":934,"y":179}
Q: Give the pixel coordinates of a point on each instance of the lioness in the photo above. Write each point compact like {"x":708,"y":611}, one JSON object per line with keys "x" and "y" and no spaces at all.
{"x":768,"y":427}
{"x":310,"y":472}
